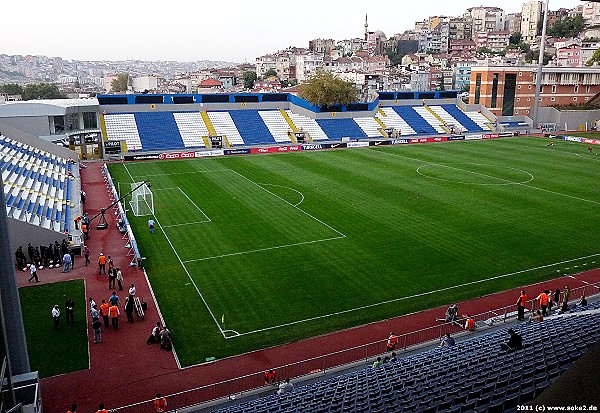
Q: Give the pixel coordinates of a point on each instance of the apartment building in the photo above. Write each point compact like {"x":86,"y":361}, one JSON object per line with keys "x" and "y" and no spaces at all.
{"x":531,"y":16}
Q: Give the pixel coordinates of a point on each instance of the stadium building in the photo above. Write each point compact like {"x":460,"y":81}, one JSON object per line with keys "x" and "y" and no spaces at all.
{"x":52,"y":150}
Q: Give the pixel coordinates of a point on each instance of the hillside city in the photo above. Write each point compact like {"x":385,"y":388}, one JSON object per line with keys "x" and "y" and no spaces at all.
{"x":437,"y":54}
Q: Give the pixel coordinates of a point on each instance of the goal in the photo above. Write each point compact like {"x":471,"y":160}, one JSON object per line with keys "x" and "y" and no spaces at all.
{"x":142,"y":201}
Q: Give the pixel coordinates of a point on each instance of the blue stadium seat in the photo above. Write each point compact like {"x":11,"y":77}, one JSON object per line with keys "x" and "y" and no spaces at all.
{"x":336,"y":129}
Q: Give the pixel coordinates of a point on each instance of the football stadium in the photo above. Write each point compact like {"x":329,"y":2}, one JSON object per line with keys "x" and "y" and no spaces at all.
{"x":384,"y":256}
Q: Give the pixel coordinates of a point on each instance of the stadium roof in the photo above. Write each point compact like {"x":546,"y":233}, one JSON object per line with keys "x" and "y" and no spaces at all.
{"x":48,"y":107}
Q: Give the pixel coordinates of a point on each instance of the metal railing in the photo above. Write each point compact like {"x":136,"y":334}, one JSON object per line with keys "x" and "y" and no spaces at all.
{"x":319,"y":365}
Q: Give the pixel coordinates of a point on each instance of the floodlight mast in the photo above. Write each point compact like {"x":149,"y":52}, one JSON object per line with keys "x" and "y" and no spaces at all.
{"x":102,"y":223}
{"x":538,"y":78}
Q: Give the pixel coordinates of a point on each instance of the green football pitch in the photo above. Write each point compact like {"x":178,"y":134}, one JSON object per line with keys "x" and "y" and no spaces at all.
{"x":256,"y":251}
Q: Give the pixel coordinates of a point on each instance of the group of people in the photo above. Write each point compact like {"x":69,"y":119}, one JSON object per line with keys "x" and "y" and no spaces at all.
{"x":41,"y":256}
{"x":161,"y":335}
{"x":69,"y":311}
{"x":547,"y":300}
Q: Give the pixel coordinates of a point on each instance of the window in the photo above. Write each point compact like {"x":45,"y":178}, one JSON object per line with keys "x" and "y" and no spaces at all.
{"x":520,"y":73}
{"x":529,"y":87}
{"x":553,"y":88}
{"x":576,"y":88}
{"x":477,"y":88}
{"x":518,"y":99}
{"x":574,"y":98}
{"x":552,"y":99}
{"x":587,"y":89}
{"x":519,"y":87}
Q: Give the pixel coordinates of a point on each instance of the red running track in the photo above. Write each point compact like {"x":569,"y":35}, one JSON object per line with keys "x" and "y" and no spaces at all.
{"x":124,"y":370}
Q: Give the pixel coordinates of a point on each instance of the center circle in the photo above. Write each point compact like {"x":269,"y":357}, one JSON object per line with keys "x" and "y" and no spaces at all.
{"x":475,"y":174}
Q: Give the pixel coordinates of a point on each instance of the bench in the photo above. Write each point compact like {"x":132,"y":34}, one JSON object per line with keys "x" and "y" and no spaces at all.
{"x":139,"y":308}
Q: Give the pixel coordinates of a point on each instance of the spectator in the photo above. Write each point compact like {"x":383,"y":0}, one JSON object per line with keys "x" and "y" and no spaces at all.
{"x":377,"y":362}
{"x":154,"y":334}
{"x":470,"y":323}
{"x":94,"y":313}
{"x":270,"y":376}
{"x":515,"y":342}
{"x":563,"y":308}
{"x":129,"y":309}
{"x":583,"y":301}
{"x":566,"y":294}
{"x":101,"y":264}
{"x":165,"y":340}
{"x":556,"y":297}
{"x":34,"y":275}
{"x":132,"y":290}
{"x":66,"y":263}
{"x":538,"y":317}
{"x":544,"y":299}
{"x":160,"y":403}
{"x":285,"y":387}
{"x":104,"y":307}
{"x":101,"y":409}
{"x":119,"y":278}
{"x":56,"y":316}
{"x":86,"y":255}
{"x":392,"y":342}
{"x":521,"y":302}
{"x":113,"y":313}
{"x":69,"y":310}
{"x":447,"y":341}
{"x":97,"y":327}
{"x":452,"y":313}
{"x":73,"y":408}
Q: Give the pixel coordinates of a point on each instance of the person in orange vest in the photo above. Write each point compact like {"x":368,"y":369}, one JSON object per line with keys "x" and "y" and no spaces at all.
{"x":85,"y":231}
{"x":104,"y":312}
{"x":544,"y":299}
{"x":101,"y":409}
{"x":76,"y":220}
{"x":101,"y":263}
{"x":521,"y":301}
{"x":392,"y":342}
{"x":113,"y":313}
{"x":470,"y":323}
{"x":270,"y":376}
{"x":160,"y":403}
{"x":73,"y":408}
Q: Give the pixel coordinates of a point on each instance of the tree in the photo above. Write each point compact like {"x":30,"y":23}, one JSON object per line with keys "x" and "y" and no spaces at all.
{"x":567,"y":27}
{"x":249,"y":78}
{"x":11,"y":89}
{"x":515,"y":38}
{"x":269,"y":73}
{"x":120,"y":83}
{"x":42,"y":91}
{"x":594,"y":59}
{"x":530,"y":56}
{"x":325,"y":89}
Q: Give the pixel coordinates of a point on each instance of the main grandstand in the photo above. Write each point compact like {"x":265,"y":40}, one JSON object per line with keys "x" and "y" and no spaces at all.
{"x":42,"y":187}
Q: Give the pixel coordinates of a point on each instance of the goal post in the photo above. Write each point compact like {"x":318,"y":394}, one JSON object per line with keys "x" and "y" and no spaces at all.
{"x":142,"y":200}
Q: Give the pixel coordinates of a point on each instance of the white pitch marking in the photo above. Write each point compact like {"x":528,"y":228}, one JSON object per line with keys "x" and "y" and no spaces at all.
{"x":489,"y":176}
{"x":184,"y":267}
{"x":289,"y":203}
{"x":413,"y":296}
{"x":291,"y":189}
{"x":263,"y":249}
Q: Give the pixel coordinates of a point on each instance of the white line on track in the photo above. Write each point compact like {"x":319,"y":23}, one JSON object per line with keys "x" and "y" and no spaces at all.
{"x":184,"y":267}
{"x":413,"y":296}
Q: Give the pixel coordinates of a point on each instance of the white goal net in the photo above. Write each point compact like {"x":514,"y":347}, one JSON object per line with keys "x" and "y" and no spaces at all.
{"x":142,"y":201}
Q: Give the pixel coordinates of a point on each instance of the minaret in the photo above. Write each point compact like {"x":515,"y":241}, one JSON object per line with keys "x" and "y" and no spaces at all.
{"x":366,"y":27}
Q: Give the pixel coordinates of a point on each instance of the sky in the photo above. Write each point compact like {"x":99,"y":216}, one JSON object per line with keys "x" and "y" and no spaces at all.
{"x":186,"y":30}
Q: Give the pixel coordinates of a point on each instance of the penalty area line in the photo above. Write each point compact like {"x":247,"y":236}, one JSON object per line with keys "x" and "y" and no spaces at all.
{"x":412,"y":296}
